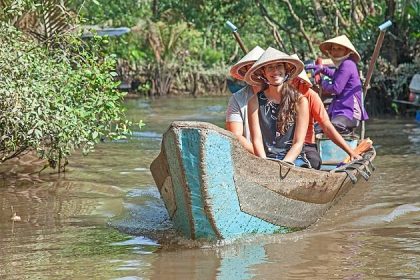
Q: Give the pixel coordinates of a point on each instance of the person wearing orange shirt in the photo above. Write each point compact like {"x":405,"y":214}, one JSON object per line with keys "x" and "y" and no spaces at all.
{"x":318,"y":113}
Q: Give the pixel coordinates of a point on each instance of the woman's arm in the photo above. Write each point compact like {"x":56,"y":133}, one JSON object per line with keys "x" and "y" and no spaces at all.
{"x":327,"y":71}
{"x":301,"y":127}
{"x":237,"y":128}
{"x":235,"y":121}
{"x":341,"y":77}
{"x":318,"y":112}
{"x":333,"y":134}
{"x":254,"y":127}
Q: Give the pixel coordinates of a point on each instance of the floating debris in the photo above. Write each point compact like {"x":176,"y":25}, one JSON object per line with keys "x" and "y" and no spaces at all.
{"x":15,"y":218}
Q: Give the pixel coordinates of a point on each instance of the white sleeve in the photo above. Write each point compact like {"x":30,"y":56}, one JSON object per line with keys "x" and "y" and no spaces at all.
{"x":233,"y":111}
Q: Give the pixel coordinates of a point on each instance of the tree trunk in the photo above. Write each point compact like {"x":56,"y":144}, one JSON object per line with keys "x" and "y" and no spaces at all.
{"x":390,"y":11}
{"x":155,"y":8}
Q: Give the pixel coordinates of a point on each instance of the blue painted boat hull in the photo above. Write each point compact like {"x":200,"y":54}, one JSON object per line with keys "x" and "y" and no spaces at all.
{"x":331,"y":154}
{"x":214,"y":189}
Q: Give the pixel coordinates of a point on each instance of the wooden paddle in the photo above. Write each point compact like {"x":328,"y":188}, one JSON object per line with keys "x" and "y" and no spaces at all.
{"x":234,"y":30}
{"x":364,"y":146}
{"x":382,"y":29}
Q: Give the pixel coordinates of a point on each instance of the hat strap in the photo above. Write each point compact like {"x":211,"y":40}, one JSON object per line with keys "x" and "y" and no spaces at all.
{"x":286,"y":78}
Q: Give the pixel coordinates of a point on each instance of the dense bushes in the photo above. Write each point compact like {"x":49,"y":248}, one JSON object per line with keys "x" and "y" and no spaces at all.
{"x":56,"y":99}
{"x":390,"y":82}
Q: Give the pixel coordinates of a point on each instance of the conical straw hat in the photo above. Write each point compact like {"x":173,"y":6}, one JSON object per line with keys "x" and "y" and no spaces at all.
{"x":342,"y":40}
{"x":293,"y":66}
{"x":238,"y":70}
{"x":302,"y":75}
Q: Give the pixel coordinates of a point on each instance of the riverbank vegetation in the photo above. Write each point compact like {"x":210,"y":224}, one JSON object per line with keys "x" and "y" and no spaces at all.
{"x":58,"y":93}
{"x":184,"y":47}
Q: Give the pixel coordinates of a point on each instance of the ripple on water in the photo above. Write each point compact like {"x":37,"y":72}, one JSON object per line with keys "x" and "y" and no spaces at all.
{"x":138,"y":240}
{"x":141,"y":169}
{"x":146,"y":134}
{"x":372,"y":233}
{"x":144,"y":214}
{"x":215,"y":108}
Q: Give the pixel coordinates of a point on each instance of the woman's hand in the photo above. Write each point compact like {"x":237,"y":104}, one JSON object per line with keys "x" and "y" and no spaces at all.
{"x":316,"y":67}
{"x":354,"y":156}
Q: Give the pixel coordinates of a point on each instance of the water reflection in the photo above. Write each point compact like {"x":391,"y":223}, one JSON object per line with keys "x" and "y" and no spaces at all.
{"x":237,"y":262}
{"x":104,"y":218}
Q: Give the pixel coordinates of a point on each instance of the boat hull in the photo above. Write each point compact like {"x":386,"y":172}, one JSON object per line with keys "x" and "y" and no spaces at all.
{"x":214,"y":189}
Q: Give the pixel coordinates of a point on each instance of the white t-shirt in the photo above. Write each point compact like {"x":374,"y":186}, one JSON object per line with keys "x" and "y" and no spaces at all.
{"x":237,"y":109}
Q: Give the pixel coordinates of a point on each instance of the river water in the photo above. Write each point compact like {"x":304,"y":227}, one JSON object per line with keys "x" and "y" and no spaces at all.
{"x":104,"y":219}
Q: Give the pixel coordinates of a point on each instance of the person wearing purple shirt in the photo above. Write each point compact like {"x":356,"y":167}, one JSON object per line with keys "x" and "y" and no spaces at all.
{"x":346,"y":109}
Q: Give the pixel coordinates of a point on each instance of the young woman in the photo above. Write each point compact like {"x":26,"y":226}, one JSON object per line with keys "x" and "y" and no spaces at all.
{"x":278,"y":115}
{"x":346,"y":109}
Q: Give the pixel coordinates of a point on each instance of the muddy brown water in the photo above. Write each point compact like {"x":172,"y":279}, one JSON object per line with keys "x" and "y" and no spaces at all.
{"x":104,"y":219}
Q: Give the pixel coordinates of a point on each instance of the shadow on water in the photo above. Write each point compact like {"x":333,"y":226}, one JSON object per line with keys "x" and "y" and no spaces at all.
{"x":104,"y":217}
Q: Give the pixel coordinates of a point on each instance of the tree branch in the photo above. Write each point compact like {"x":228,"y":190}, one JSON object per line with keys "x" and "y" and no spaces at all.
{"x":265,"y":13}
{"x":273,"y":23}
{"x":343,"y":22}
{"x":276,"y":34}
{"x":15,"y":154}
{"x":301,"y":27}
{"x":322,"y":18}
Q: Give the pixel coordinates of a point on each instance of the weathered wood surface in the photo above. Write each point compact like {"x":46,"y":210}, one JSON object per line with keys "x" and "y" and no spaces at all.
{"x":215,"y":189}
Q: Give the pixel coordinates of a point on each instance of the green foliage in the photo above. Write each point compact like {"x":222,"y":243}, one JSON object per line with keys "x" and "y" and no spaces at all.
{"x":320,"y":20}
{"x":56,"y":100}
{"x":174,"y":43}
{"x":398,"y":78}
{"x":112,"y":13}
{"x":11,"y":10}
{"x":211,"y":56}
{"x":413,"y":11}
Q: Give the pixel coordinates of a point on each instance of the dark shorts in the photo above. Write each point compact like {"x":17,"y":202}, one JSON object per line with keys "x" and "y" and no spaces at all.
{"x":344,"y":125}
{"x":312,"y":154}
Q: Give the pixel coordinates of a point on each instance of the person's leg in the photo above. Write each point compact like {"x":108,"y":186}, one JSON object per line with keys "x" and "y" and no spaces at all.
{"x":313,"y":155}
{"x":317,"y":128}
{"x":302,"y":161}
{"x":344,"y":125}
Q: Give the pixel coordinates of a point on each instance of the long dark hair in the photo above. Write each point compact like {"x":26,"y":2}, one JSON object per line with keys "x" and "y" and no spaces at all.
{"x":287,"y":108}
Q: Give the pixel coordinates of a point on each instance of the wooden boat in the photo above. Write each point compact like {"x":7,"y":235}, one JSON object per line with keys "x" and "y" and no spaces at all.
{"x":414,"y":96}
{"x":214,"y":189}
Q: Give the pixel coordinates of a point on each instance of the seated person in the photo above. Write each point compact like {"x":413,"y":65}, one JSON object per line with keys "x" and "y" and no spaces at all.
{"x":236,"y":113}
{"x":318,"y":113}
{"x":346,"y":109}
{"x":278,"y":115}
